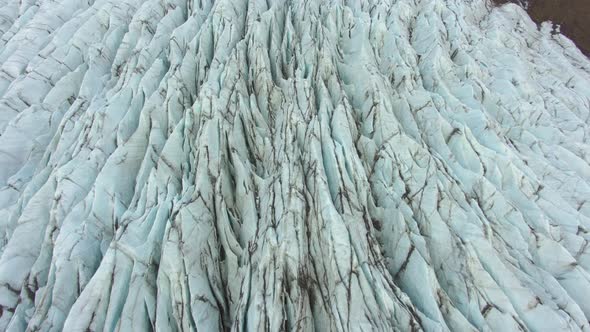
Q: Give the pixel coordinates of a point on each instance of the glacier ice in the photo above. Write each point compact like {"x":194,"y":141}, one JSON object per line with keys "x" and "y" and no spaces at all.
{"x":291,"y":165}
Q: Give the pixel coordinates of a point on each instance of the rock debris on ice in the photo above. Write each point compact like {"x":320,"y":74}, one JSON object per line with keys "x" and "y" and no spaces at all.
{"x":291,"y":165}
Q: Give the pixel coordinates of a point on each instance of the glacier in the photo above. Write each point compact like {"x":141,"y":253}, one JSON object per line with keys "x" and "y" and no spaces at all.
{"x":184,"y":165}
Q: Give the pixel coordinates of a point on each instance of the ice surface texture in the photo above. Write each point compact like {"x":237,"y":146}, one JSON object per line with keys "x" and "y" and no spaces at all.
{"x":297,"y":165}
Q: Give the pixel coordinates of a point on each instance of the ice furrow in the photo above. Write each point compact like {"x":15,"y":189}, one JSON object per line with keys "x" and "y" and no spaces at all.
{"x":291,"y":165}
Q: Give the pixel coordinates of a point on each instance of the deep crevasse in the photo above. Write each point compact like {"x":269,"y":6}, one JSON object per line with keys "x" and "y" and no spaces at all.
{"x":291,"y":164}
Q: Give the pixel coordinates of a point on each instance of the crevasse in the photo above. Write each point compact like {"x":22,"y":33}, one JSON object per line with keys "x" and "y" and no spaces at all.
{"x":321,"y":165}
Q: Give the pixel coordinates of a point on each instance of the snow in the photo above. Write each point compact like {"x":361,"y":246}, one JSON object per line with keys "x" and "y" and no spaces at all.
{"x":300,"y":165}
